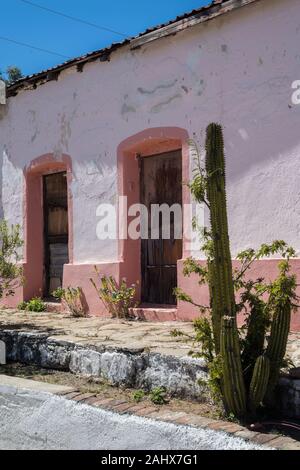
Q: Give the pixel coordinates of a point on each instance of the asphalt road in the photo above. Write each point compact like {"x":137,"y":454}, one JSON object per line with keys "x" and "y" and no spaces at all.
{"x":30,"y":419}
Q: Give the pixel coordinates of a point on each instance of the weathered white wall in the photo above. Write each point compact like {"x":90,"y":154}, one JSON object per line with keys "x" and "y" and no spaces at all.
{"x":237,"y":70}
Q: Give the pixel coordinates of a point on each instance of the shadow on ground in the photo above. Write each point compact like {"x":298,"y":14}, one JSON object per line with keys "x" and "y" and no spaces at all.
{"x":30,"y":327}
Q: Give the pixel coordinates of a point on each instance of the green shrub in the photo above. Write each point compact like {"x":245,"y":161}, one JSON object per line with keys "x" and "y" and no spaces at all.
{"x":117,"y":298}
{"x":22,"y":305}
{"x":73,"y":297}
{"x":36,"y":305}
{"x":58,"y":293}
{"x":11,"y":273}
{"x":158,"y":396}
{"x":138,"y":396}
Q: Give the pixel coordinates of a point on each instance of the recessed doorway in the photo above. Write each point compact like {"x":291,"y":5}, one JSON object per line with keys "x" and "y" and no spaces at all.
{"x":161,"y":183}
{"x":56,"y":236}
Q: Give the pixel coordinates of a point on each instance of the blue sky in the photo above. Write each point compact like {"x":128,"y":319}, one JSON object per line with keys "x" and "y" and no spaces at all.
{"x":21,"y":22}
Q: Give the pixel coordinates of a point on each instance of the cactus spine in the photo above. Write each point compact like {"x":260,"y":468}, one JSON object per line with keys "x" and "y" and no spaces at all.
{"x":259,"y":382}
{"x":222,"y":288}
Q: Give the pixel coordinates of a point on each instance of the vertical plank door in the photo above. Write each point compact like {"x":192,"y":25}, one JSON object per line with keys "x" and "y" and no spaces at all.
{"x":55,"y":230}
{"x":161,"y":183}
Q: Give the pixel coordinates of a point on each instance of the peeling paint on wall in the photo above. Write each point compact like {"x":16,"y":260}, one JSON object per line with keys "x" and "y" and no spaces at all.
{"x":127,"y":109}
{"x":12,"y":180}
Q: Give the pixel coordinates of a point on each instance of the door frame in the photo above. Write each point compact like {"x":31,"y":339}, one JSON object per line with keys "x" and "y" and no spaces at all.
{"x":34,"y":219}
{"x":148,"y":142}
{"x":46,"y":288}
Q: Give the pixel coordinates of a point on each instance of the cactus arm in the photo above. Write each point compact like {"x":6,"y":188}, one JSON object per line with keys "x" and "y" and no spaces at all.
{"x":277,"y":344}
{"x":281,"y":302}
{"x":259,"y":382}
{"x":254,"y":342}
{"x":232,"y":380}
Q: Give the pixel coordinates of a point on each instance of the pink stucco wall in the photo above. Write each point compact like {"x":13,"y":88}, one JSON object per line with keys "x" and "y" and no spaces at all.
{"x":237,"y":69}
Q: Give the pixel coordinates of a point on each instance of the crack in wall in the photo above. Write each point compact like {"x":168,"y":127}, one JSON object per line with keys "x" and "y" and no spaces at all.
{"x":158,"y":107}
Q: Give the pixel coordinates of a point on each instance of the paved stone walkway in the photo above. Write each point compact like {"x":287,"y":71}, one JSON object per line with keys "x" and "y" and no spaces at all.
{"x":152,"y":336}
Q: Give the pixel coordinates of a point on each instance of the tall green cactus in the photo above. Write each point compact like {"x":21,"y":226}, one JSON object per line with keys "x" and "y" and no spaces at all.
{"x":222,"y":287}
{"x":221,"y":269}
{"x":243,"y":369}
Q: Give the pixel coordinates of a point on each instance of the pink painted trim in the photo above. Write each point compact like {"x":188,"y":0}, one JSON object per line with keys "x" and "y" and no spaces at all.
{"x":266,"y":269}
{"x":79,"y":275}
{"x":148,"y":142}
{"x":34,"y":222}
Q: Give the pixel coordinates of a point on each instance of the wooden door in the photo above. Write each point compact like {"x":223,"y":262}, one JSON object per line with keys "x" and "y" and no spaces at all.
{"x":161,"y":183}
{"x":55,"y":230}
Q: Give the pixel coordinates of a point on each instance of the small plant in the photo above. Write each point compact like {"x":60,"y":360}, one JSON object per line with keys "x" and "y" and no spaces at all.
{"x":58,"y":293}
{"x":158,"y":396}
{"x":138,"y":396}
{"x":11,"y":273}
{"x":73,"y":296}
{"x":35,"y":305}
{"x":22,"y":305}
{"x":117,"y":298}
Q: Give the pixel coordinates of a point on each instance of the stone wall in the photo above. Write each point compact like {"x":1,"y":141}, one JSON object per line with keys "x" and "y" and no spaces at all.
{"x":182,"y":376}
{"x":130,"y":368}
{"x":289,"y":397}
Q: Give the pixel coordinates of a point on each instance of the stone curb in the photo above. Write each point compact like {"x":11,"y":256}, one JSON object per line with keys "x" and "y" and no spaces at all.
{"x":120,"y":366}
{"x":273,"y":441}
